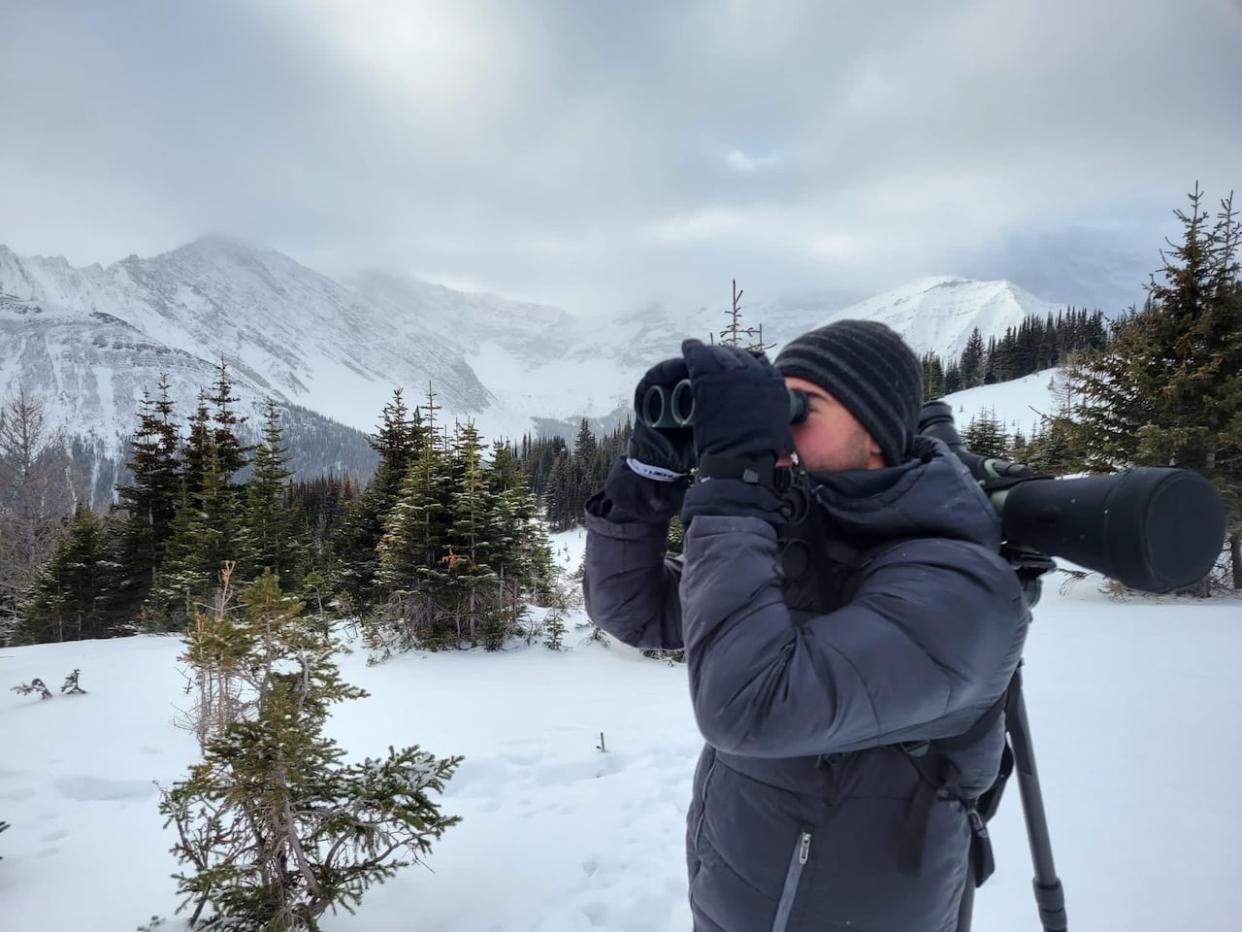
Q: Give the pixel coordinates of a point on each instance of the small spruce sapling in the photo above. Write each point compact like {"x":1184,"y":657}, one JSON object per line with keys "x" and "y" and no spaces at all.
{"x":274,"y":828}
{"x":34,"y":686}
{"x":554,"y":624}
{"x":70,"y":686}
{"x":554,"y":630}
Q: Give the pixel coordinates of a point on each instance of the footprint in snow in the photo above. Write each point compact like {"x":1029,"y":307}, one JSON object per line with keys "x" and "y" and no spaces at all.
{"x":95,"y":789}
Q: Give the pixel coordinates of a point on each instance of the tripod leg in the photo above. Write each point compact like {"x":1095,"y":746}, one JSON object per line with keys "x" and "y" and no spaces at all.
{"x":1049,"y":896}
{"x":966,"y":910}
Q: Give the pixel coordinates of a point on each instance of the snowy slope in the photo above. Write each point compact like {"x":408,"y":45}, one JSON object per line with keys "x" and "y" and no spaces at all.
{"x":1018,"y":404}
{"x":1130,"y":703}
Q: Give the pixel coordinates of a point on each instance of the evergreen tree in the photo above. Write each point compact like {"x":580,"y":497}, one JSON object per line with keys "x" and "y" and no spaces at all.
{"x":953,"y":380}
{"x":269,"y":520}
{"x":559,"y":494}
{"x":68,"y":602}
{"x":986,"y":435}
{"x":1019,"y":447}
{"x":462,"y":552}
{"x":274,"y":828}
{"x":417,"y":528}
{"x":585,"y":446}
{"x":319,"y":506}
{"x":229,"y":451}
{"x":480,"y":606}
{"x":197,"y":447}
{"x":933,"y":377}
{"x":149,"y":502}
{"x":1054,"y":447}
{"x":520,"y":552}
{"x":204,"y":539}
{"x":563,"y":481}
{"x":989,"y":363}
{"x":1168,"y":389}
{"x":554,"y":629}
{"x":973,"y":362}
{"x":400,"y":439}
{"x":397,"y":440}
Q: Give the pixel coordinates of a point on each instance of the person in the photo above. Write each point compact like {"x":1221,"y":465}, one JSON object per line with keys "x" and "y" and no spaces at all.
{"x":832,"y":639}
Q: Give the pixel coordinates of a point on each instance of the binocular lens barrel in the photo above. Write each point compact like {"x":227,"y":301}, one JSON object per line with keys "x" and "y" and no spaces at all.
{"x":667,"y":408}
{"x":674,"y":408}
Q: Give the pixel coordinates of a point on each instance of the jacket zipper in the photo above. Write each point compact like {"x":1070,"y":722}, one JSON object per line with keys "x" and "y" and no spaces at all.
{"x":802,"y":851}
{"x":698,"y":829}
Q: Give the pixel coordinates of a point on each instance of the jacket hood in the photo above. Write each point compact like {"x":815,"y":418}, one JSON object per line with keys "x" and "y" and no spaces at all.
{"x":930,"y":495}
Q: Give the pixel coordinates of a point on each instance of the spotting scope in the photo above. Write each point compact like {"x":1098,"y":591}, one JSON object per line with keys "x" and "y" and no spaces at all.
{"x":1153,"y":529}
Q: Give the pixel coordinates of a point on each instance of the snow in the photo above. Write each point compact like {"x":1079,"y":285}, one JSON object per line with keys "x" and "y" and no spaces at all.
{"x":1133,"y":708}
{"x":1018,"y":403}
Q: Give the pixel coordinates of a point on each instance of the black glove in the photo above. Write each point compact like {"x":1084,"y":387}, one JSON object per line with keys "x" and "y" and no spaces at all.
{"x":741,"y":404}
{"x":658,"y":453}
{"x":627,"y":497}
{"x":649,"y":483}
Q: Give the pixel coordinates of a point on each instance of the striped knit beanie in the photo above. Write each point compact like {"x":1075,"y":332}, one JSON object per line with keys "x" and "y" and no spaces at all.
{"x":869,"y":369}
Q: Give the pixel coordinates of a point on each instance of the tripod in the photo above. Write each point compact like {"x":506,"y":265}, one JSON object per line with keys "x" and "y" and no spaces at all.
{"x":1049,"y":896}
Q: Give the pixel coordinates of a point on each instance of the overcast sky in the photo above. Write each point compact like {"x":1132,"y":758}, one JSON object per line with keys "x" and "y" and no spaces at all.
{"x":601,"y":155}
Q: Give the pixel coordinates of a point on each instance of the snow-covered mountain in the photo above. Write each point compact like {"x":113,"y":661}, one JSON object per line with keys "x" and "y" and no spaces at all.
{"x":938,"y":314}
{"x":596,"y":375}
{"x":92,"y":338}
{"x":88,"y":341}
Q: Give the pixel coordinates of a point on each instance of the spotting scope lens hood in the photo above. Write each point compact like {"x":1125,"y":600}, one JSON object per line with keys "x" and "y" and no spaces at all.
{"x":1152,"y":529}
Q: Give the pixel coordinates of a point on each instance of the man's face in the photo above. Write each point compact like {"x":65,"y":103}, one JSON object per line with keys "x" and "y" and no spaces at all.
{"x":830,"y":439}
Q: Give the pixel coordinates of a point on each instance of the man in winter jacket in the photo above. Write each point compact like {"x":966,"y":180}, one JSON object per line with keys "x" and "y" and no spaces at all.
{"x":830,"y":640}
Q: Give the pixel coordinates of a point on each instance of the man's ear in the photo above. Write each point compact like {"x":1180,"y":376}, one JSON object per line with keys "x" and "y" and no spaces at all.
{"x":875,"y":456}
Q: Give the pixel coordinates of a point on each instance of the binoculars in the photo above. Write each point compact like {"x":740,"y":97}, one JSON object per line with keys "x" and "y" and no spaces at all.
{"x":671,"y":408}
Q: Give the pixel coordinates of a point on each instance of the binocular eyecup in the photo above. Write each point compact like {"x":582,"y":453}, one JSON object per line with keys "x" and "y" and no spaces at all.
{"x":672,"y":408}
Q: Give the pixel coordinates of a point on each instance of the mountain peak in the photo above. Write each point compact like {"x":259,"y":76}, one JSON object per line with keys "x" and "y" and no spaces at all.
{"x":938,"y":313}
{"x":215,"y":247}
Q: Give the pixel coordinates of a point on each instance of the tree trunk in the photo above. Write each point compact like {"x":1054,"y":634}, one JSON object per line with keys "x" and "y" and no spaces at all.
{"x":1235,"y":551}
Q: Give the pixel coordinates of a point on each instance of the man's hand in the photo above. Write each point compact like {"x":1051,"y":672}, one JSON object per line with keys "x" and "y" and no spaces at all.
{"x":741,"y":405}
{"x":649,"y":484}
{"x":662,"y":454}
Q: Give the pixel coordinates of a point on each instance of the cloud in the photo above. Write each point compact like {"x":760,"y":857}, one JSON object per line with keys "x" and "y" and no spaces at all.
{"x":746,"y":164}
{"x":603,"y":155}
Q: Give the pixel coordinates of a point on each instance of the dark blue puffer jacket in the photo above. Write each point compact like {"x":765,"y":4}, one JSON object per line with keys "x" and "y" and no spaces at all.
{"x":905,"y":626}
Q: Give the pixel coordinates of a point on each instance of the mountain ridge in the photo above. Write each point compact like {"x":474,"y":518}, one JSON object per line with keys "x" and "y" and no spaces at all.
{"x":91,"y":338}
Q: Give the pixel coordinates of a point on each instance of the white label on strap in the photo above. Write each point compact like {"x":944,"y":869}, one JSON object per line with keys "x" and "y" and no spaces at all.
{"x":658,"y":473}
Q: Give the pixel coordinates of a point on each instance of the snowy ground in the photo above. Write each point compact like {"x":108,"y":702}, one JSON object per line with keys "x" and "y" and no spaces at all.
{"x":1134,"y":707}
{"x":1018,"y":403}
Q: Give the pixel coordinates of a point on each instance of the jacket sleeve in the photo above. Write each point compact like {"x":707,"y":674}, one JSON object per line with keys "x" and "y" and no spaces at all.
{"x":929,"y":641}
{"x":630,"y":587}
